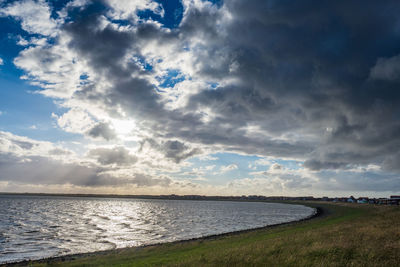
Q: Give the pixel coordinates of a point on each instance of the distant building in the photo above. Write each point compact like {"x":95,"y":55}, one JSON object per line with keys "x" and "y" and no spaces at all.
{"x":383,"y":201}
{"x":351,"y":199}
{"x":394,"y":200}
{"x":362,"y":200}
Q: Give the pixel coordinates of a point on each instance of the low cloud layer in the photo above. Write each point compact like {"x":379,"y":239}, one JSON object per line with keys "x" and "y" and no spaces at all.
{"x":23,"y":160}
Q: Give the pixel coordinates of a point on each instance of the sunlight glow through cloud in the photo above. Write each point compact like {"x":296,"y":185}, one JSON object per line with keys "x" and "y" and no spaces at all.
{"x":123,"y":127}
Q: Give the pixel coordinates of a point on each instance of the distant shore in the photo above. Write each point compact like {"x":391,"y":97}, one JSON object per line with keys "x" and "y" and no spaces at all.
{"x":391,"y":200}
{"x":171,"y":196}
{"x":251,"y":198}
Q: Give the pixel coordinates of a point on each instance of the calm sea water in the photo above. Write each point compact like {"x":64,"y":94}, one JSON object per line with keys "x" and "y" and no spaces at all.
{"x":34,"y":227}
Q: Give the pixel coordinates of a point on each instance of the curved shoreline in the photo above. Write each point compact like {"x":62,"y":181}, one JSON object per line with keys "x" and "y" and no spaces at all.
{"x":318,"y":211}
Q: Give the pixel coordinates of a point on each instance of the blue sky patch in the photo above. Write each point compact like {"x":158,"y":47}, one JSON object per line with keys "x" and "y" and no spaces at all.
{"x":172,"y":77}
{"x":173,"y":13}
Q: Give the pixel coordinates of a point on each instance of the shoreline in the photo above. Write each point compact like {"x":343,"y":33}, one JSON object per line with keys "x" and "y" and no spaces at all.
{"x":318,"y":212}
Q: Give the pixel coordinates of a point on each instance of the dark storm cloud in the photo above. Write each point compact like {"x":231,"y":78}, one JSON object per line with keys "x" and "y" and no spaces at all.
{"x":361,"y":181}
{"x":236,"y":106}
{"x":386,"y":69}
{"x":325,"y":70}
{"x":178,"y":151}
{"x":105,"y":49}
{"x":321,"y":165}
{"x":392,"y":163}
{"x":172,"y":149}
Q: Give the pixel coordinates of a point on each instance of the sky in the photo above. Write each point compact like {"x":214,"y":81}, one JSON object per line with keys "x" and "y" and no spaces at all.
{"x":231,"y":97}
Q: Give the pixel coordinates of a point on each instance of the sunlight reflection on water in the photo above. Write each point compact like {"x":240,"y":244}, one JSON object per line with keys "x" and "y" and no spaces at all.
{"x":36,"y":227}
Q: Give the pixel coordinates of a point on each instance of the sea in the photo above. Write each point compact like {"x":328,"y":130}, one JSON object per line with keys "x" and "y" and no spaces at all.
{"x":36,"y":227}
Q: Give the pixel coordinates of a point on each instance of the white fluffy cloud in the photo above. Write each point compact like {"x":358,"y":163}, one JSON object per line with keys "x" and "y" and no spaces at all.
{"x":125,"y":9}
{"x":52,"y":67}
{"x":75,"y":121}
{"x":35,"y":16}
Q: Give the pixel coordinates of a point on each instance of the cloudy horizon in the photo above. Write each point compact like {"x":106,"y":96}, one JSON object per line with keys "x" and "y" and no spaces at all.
{"x":200,"y":97}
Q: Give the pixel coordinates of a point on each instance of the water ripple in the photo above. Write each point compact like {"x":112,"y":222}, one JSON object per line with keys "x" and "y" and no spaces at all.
{"x":34,"y":227}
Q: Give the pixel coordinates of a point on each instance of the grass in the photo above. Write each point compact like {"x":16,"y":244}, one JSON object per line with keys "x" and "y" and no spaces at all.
{"x":346,"y":235}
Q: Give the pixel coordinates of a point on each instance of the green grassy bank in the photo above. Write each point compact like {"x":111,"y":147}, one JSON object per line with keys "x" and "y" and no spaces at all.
{"x":344,"y":235}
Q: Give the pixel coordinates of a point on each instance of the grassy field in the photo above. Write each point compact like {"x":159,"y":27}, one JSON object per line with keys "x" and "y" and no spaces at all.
{"x":345,"y":235}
